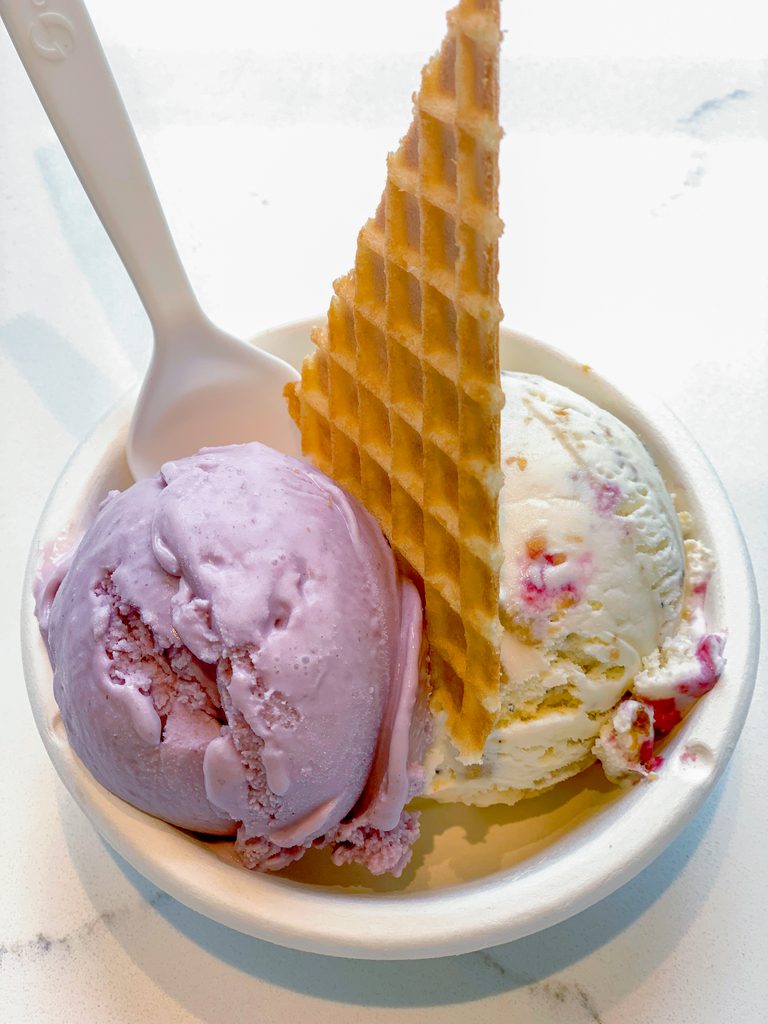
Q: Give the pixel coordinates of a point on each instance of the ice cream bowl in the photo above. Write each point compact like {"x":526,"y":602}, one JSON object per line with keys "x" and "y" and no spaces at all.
{"x":478,"y":877}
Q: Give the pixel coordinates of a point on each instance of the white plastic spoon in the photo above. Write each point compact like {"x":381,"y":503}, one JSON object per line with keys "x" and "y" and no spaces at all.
{"x":203,"y":387}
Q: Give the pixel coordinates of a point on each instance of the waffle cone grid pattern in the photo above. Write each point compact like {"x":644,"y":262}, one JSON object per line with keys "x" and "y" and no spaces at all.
{"x":400,"y":400}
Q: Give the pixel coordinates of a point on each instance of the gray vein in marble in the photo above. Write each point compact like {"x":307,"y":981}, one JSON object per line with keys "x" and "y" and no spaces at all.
{"x":561,"y":992}
{"x":565,"y":993}
{"x":694,"y":178}
{"x":696,"y":173}
{"x":586,"y":1001}
{"x":492,"y":962}
{"x":38,"y":946}
{"x":702,"y":112}
{"x":520,"y":979}
{"x":43,"y":944}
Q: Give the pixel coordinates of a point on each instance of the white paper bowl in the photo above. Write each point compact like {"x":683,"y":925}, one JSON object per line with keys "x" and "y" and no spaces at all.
{"x":479,"y":876}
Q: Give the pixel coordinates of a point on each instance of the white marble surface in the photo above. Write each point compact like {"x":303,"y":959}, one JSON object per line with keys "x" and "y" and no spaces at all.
{"x":633,"y":190}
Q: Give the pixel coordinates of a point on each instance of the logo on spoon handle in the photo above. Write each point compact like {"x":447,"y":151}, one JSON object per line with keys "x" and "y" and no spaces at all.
{"x":51,"y":34}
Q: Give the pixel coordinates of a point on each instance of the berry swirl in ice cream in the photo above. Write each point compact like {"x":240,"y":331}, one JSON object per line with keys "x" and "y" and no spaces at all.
{"x":605,"y":645}
{"x":684,"y":667}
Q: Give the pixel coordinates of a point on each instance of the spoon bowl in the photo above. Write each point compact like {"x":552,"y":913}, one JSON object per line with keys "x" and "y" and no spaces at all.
{"x":217,"y":391}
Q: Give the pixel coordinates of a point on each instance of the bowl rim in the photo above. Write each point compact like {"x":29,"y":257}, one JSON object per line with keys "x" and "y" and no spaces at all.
{"x":468,"y":916}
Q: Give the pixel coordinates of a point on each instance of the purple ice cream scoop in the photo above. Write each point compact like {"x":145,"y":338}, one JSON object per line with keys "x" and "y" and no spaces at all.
{"x":235,"y":652}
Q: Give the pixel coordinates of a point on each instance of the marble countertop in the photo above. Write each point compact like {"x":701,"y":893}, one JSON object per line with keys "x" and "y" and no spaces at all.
{"x":634,"y":174}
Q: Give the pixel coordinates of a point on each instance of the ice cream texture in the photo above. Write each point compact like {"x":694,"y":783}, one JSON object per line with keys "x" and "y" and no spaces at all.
{"x":235,"y":652}
{"x":601,"y":603}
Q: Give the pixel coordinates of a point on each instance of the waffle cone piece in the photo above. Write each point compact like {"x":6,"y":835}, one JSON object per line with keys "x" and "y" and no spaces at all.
{"x":400,"y":400}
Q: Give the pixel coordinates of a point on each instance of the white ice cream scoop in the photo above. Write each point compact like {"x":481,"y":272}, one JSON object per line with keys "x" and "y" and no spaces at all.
{"x":203,"y":387}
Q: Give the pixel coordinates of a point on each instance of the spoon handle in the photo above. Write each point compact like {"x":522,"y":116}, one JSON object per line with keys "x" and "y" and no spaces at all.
{"x":67,"y":66}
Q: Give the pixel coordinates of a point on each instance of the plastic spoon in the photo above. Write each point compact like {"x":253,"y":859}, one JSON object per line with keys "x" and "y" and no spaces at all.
{"x":203,"y":387}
